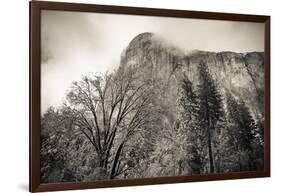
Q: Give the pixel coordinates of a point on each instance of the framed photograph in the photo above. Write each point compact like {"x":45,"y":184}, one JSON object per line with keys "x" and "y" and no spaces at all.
{"x":123,"y":96}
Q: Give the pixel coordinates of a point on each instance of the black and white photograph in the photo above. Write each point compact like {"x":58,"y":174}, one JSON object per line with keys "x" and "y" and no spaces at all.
{"x":133,"y":96}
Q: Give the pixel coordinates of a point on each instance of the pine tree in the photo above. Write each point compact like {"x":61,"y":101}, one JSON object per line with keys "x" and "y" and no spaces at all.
{"x":210,"y":111}
{"x":189,"y":126}
{"x":242,"y":134}
{"x":188,"y":98}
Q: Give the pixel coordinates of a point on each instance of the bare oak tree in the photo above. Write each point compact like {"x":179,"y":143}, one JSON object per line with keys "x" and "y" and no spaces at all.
{"x":108,"y":110}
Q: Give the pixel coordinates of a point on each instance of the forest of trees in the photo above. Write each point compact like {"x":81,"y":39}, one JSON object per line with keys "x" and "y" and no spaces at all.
{"x":113,"y":126}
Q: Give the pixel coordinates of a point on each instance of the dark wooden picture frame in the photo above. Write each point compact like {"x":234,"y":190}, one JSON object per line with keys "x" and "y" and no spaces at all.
{"x":35,"y":57}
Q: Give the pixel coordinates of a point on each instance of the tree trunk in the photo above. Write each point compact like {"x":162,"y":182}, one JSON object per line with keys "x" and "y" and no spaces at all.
{"x":210,"y":152}
{"x":209,"y":139}
{"x":239,"y":161}
{"x":103,"y":168}
{"x":218,"y":168}
{"x":116,"y":159}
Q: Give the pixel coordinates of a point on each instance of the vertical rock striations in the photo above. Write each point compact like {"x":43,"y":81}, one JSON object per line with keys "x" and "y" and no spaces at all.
{"x":240,"y":74}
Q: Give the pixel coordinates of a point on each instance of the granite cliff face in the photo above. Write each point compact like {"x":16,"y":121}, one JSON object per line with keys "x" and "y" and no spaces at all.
{"x":240,"y":74}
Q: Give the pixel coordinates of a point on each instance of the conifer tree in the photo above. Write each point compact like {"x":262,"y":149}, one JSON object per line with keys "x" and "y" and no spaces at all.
{"x":210,"y":111}
{"x":189,"y":126}
{"x":242,"y":134}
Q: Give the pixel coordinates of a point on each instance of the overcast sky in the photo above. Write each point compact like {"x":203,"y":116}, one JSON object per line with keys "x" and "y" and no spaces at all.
{"x":75,"y":43}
